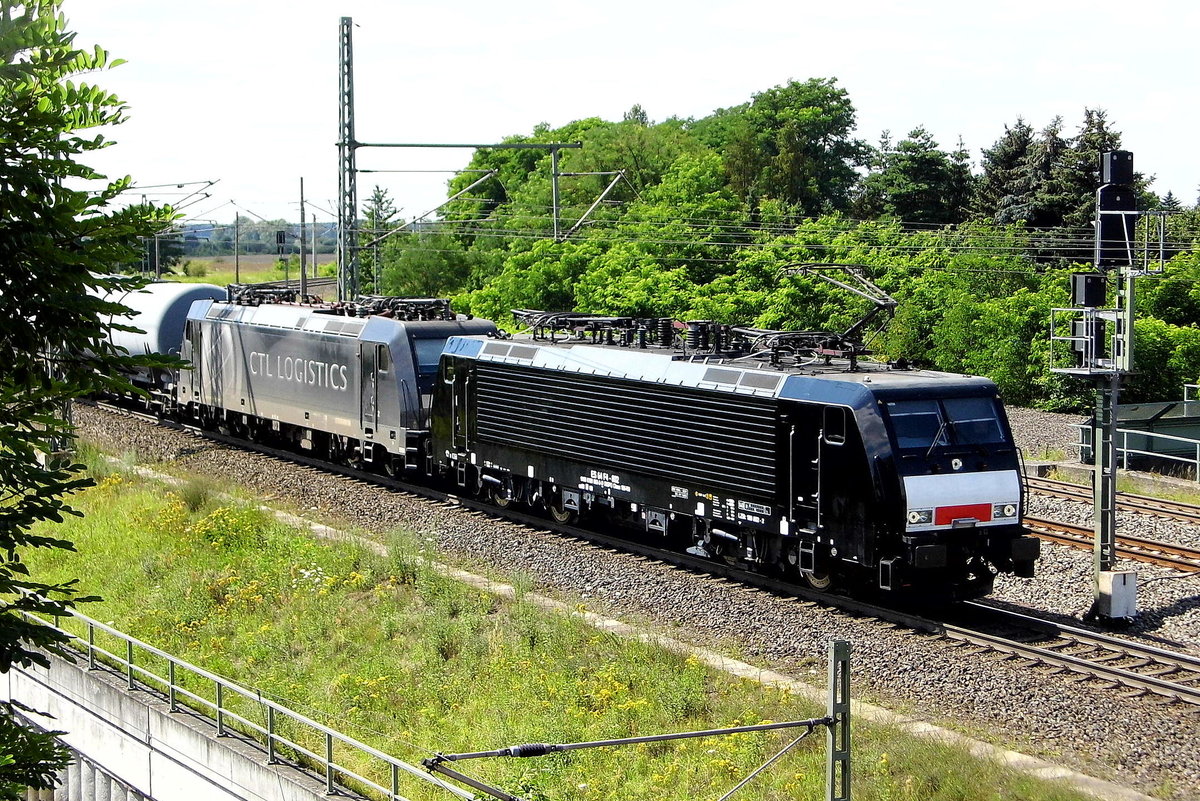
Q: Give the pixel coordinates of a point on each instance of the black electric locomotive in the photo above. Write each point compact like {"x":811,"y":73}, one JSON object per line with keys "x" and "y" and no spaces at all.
{"x":747,"y":450}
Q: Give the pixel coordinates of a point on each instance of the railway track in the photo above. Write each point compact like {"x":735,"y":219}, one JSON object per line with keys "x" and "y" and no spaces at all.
{"x":1114,"y":661}
{"x":1130,"y":546}
{"x":1172,"y":510}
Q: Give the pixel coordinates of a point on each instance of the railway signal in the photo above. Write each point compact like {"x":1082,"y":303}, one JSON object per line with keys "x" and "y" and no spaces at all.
{"x":1101,"y":344}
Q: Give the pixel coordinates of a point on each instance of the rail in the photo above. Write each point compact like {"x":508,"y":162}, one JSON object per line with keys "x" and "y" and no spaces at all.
{"x":220,"y":709}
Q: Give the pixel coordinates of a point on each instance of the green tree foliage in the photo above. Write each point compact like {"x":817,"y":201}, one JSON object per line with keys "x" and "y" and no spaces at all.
{"x":1175,"y":297}
{"x":54,"y":239}
{"x":1169,"y":204}
{"x":425,"y":264}
{"x":790,"y":143}
{"x":522,"y":178}
{"x":916,"y":182}
{"x":1079,"y":172}
{"x":712,"y":212}
{"x":1172,"y":351}
{"x":377,"y":221}
{"x":1046,"y":201}
{"x":1001,"y":186}
{"x":643,"y":151}
{"x":1022,"y":178}
{"x":1048,"y":181}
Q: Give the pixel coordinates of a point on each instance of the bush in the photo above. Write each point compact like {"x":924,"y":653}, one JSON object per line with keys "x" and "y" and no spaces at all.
{"x":194,"y":269}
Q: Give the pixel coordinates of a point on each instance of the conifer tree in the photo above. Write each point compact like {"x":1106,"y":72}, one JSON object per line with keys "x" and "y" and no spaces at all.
{"x":1002,"y":190}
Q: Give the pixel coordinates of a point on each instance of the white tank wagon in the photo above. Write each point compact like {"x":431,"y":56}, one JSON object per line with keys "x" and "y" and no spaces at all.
{"x":159,"y":312}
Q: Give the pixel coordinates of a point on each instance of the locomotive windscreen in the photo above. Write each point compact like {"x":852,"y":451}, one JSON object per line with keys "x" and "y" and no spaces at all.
{"x":928,"y":422}
{"x":685,"y":435}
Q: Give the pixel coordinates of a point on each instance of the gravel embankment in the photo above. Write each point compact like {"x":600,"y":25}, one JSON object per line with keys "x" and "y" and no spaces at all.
{"x":1168,"y":604}
{"x":1139,"y":742}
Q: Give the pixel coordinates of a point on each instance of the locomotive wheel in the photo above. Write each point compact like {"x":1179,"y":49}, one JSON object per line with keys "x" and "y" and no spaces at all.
{"x":819,"y":581}
{"x":561,"y":515}
{"x":502,"y":497}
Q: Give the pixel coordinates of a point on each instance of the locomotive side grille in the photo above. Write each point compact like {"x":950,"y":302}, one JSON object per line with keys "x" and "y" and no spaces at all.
{"x":711,"y":439}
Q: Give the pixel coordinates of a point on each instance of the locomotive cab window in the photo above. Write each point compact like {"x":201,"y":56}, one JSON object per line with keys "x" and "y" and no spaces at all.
{"x":428,"y":353}
{"x":917,"y":423}
{"x":974,"y":420}
{"x":958,"y":421}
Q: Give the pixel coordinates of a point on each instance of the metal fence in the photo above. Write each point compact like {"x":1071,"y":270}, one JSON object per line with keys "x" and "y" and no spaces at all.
{"x":1139,"y":442}
{"x":278,"y":728}
{"x":1124,"y":450}
{"x":311,"y":745}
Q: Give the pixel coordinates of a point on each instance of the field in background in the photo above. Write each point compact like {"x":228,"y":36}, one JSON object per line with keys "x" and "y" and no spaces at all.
{"x":251,"y":269}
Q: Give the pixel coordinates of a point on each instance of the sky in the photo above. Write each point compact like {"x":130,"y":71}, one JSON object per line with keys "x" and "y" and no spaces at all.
{"x":246,"y":93}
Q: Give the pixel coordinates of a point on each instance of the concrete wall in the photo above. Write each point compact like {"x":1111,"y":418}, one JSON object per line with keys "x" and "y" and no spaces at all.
{"x":84,"y":780}
{"x":162,"y":755}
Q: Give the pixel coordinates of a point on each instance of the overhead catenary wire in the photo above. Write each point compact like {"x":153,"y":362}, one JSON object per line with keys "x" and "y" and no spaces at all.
{"x":1025,"y":242}
{"x":717,"y":234}
{"x":846,"y":225}
{"x":1016,"y":243}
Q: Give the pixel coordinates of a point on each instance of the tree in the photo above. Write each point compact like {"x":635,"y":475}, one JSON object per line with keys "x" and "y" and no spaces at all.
{"x":1049,"y":195}
{"x":916,"y":182}
{"x":1079,"y":172}
{"x":637,"y":114}
{"x":1001,"y":186}
{"x":378,"y":212}
{"x":1170,"y":204}
{"x":790,"y":143}
{"x":424,"y":264}
{"x":54,"y":239}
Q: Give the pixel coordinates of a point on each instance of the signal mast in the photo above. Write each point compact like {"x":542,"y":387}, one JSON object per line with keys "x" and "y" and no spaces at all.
{"x":1101,"y":341}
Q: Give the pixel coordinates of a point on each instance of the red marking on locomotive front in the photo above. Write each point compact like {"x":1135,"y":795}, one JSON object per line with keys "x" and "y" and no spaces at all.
{"x":945,"y":515}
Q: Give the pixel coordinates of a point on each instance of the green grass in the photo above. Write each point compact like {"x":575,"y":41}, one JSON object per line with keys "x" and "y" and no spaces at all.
{"x":1180,"y":490}
{"x":388,"y":650}
{"x":1047,"y":454}
{"x":252,"y":269}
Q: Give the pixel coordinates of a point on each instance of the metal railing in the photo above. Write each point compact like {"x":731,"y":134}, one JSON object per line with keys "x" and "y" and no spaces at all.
{"x":220,"y":710}
{"x":132,"y":664}
{"x":1124,"y":451}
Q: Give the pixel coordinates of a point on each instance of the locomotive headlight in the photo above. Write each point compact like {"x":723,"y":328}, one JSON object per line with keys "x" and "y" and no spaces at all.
{"x":1004,"y":510}
{"x":919,"y":516}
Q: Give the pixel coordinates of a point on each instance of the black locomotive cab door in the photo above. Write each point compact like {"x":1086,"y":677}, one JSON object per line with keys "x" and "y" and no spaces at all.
{"x":460,"y":436}
{"x":829,"y":466}
{"x":846,"y":487}
{"x":369,"y":406}
{"x":804,"y":432}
